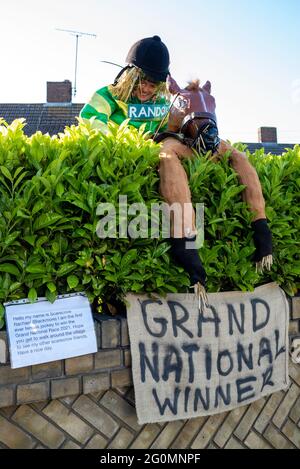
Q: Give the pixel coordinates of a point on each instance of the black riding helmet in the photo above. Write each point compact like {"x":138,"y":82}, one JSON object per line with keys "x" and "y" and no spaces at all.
{"x":151,"y":56}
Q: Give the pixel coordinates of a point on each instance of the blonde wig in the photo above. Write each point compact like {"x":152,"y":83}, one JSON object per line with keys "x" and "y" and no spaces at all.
{"x":128,"y":82}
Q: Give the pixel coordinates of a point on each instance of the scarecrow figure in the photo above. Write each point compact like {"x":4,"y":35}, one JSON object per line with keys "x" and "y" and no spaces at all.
{"x":140,"y":94}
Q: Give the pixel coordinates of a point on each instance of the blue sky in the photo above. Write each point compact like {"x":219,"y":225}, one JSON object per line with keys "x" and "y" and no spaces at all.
{"x":248,"y":49}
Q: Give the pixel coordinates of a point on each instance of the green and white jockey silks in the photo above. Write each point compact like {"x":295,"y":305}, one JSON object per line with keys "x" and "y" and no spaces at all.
{"x":104,"y":107}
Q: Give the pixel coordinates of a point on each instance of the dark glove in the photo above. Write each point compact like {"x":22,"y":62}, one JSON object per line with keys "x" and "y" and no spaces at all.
{"x":262,"y":239}
{"x":188,"y":259}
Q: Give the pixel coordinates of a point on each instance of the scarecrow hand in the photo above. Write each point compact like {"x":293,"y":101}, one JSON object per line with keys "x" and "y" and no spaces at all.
{"x":188,"y":259}
{"x":263,"y":243}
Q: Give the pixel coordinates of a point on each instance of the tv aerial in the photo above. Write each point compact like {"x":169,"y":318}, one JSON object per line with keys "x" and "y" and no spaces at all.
{"x":77,"y":34}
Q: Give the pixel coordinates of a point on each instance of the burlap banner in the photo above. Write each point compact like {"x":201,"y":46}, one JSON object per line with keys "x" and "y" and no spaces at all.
{"x":188,"y":363}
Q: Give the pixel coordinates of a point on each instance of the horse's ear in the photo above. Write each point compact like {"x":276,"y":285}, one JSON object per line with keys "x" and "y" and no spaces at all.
{"x":172,"y":86}
{"x":207,"y":87}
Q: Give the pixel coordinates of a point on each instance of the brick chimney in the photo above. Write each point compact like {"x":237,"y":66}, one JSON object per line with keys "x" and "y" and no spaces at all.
{"x":267,"y":135}
{"x":59,"y":91}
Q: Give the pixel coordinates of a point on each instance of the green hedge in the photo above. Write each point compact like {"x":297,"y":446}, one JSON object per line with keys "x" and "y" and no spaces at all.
{"x":51,"y":186}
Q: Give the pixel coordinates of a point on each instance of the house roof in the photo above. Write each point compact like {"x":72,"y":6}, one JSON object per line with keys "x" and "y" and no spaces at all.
{"x":274,"y":148}
{"x":53,"y":117}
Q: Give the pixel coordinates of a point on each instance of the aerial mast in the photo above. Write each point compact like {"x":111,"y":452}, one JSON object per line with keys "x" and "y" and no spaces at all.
{"x":77,"y":34}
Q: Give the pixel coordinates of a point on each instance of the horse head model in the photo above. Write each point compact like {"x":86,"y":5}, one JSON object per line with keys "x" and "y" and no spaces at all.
{"x":192,"y":117}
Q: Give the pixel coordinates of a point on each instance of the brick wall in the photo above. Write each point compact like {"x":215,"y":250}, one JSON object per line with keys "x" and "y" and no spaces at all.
{"x":108,"y":368}
{"x":88,"y":402}
{"x":294,"y":326}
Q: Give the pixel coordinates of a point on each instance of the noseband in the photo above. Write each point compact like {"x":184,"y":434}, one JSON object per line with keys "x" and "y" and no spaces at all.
{"x":207,"y":136}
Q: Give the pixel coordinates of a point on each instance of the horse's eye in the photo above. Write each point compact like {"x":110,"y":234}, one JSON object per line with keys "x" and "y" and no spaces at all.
{"x":181,"y":103}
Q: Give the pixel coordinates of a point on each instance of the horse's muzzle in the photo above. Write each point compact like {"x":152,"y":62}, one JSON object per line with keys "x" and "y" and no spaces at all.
{"x":206,"y":137}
